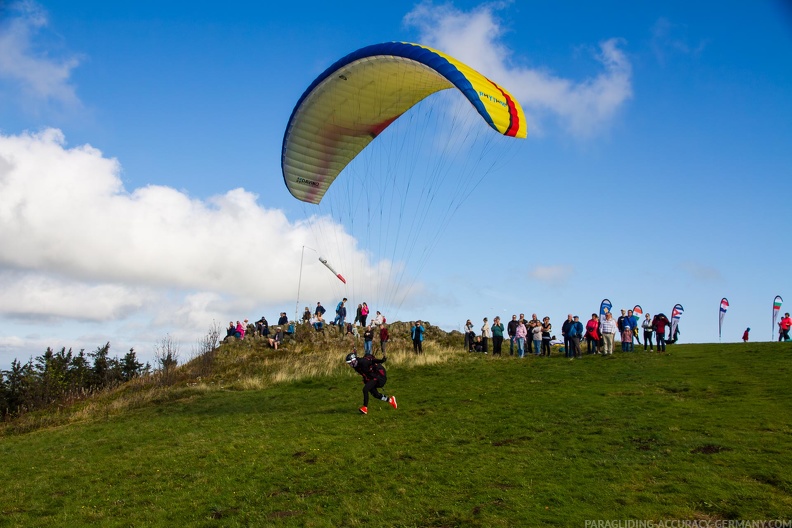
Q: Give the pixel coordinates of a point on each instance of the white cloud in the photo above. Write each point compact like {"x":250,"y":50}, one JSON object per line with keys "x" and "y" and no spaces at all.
{"x":669,"y":39}
{"x":552,"y":275}
{"x":583,"y":107}
{"x":76,"y":246}
{"x":43,"y":297}
{"x":40,"y":77}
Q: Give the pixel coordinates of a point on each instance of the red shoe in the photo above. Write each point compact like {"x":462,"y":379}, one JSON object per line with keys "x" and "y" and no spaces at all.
{"x":363,"y":410}
{"x":392,"y":401}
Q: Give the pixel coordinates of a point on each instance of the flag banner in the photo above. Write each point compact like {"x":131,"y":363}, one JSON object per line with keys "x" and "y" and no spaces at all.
{"x":724,"y":305}
{"x":676,"y":313}
{"x":605,"y":307}
{"x":777,"y":302}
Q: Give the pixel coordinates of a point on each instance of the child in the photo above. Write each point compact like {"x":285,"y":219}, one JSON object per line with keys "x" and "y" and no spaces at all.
{"x":745,"y":335}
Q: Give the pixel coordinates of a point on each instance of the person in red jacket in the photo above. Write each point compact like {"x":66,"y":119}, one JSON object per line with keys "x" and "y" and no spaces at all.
{"x":592,"y":334}
{"x":374,"y":377}
{"x":384,"y":337}
{"x":660,"y":323}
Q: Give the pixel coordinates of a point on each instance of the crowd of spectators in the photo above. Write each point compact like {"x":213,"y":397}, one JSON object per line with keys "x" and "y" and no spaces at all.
{"x":535,"y":336}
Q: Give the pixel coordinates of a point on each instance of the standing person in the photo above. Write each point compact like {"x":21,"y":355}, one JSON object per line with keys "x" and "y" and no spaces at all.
{"x":565,"y":333}
{"x":497,"y":336}
{"x":592,"y":334}
{"x":368,"y":337}
{"x":519,"y":335}
{"x":357,"y":314}
{"x":364,"y":311}
{"x":384,"y":337}
{"x":511,"y":329}
{"x":626,"y":334}
{"x":486,"y":333}
{"x":745,"y":335}
{"x":546,"y":336}
{"x":341,"y":314}
{"x":417,"y":334}
{"x":620,"y":321}
{"x":470,"y":336}
{"x":320,"y":310}
{"x":634,"y":320}
{"x":608,"y":328}
{"x":536,"y":335}
{"x":660,"y":323}
{"x":374,"y":377}
{"x":784,"y":326}
{"x":575,"y":334}
{"x":647,"y":330}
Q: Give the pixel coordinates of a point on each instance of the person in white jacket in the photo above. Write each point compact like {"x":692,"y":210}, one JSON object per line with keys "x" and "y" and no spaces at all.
{"x":486,"y":333}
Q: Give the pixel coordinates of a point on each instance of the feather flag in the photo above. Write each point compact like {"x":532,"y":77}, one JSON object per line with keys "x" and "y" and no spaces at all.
{"x":777,"y":302}
{"x":676,"y":313}
{"x":605,"y":308}
{"x":637,"y":314}
{"x":724,"y":305}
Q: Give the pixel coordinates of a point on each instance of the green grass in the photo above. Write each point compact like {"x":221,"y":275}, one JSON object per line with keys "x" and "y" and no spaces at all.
{"x":702,"y":432}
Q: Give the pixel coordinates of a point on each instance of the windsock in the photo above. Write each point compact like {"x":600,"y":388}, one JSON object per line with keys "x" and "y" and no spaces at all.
{"x":324,"y":261}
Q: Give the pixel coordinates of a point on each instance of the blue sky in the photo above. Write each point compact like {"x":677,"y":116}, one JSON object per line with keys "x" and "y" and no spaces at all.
{"x":141,"y":192}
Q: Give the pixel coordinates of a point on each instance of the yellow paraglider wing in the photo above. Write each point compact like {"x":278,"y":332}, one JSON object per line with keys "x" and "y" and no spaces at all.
{"x":356,"y":98}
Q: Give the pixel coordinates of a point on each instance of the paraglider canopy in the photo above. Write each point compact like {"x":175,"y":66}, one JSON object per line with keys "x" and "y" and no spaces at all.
{"x":359,"y":96}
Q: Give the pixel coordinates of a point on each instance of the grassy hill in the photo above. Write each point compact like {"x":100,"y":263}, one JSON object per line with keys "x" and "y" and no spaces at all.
{"x":255,"y":437}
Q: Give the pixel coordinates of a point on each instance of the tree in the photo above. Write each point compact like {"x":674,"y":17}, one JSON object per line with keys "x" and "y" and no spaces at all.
{"x":167,"y":355}
{"x":100,"y":377}
{"x":130,"y":366}
{"x":18,"y":383}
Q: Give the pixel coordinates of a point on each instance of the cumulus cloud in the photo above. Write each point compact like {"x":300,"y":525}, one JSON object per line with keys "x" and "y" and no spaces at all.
{"x":76,"y":245}
{"x":34,"y":74}
{"x":582,"y":106}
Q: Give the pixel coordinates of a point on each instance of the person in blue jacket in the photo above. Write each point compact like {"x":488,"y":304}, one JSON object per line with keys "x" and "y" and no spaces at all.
{"x":575,"y":335}
{"x":417,"y":334}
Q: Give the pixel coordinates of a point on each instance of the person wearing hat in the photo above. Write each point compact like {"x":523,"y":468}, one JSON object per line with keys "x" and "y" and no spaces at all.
{"x":276,"y":339}
{"x":575,"y":334}
{"x":374,"y":377}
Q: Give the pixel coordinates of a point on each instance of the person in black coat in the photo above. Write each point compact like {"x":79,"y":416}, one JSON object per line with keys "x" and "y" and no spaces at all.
{"x":374,"y":377}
